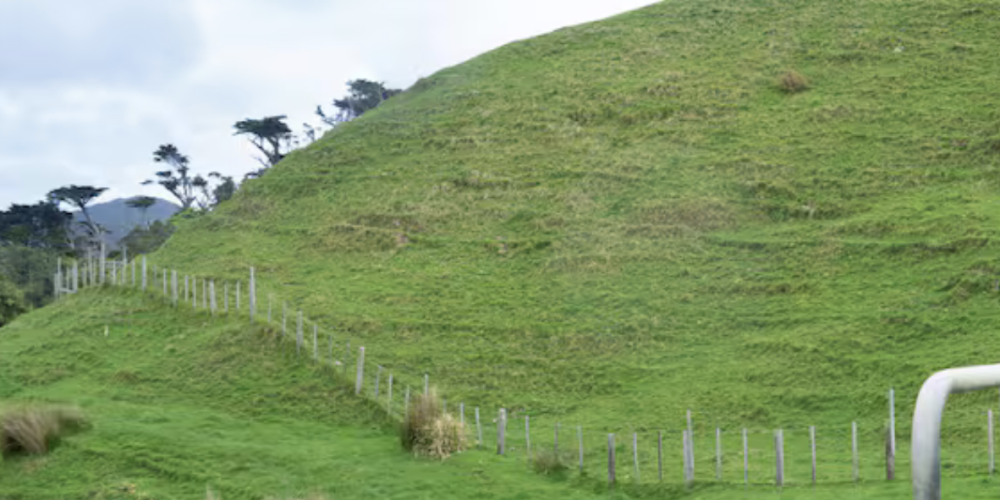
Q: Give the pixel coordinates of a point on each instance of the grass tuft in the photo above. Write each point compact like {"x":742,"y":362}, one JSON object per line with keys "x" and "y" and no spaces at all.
{"x":792,"y":82}
{"x":548,"y":463}
{"x":31,"y":429}
{"x":428,"y":431}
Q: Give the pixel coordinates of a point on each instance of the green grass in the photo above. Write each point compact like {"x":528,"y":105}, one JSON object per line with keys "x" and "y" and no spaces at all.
{"x":179,"y":401}
{"x":613,"y":223}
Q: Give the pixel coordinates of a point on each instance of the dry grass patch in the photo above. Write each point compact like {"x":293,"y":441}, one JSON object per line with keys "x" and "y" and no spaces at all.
{"x":32,"y":429}
{"x":428,"y":431}
{"x":792,"y":81}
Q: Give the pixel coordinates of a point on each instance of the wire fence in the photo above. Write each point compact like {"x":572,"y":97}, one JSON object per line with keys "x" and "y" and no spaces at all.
{"x":849,"y":453}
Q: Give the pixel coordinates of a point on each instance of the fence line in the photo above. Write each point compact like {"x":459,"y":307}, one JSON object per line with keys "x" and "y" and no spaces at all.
{"x":645,"y":447}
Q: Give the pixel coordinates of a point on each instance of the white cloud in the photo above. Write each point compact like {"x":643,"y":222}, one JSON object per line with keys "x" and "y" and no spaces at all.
{"x":98,"y":85}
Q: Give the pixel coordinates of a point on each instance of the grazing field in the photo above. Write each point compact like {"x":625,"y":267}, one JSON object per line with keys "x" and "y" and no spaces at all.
{"x":616,"y":222}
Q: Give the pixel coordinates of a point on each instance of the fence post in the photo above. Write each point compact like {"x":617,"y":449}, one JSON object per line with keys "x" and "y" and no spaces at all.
{"x":688,"y":469}
{"x":187,"y":288}
{"x":378,"y":379}
{"x":718,"y":454}
{"x":133,"y":273}
{"x":635,"y":454}
{"x":225,"y":298}
{"x":854,"y":449}
{"x":890,"y":446}
{"x":76,"y":276}
{"x":746,"y":458}
{"x":114,"y":273}
{"x":388,"y":404}
{"x":173,"y":286}
{"x":659,"y":454}
{"x":579,"y":444}
{"x":298,"y":335}
{"x":501,"y":432}
{"x":55,"y":284}
{"x":253,"y":295}
{"x":812,"y":446}
{"x":690,"y":443}
{"x":359,"y":382}
{"x":479,"y":427}
{"x":211,"y":292}
{"x":144,"y":273}
{"x":194,"y":293}
{"x":204,"y":293}
{"x":611,"y":459}
{"x":527,"y":436}
{"x":104,"y":263}
{"x":989,"y":440}
{"x":406,"y":406}
{"x":166,"y":294}
{"x":779,"y":458}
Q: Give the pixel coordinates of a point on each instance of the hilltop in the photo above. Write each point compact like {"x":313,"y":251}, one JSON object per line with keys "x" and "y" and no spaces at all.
{"x":120,"y":219}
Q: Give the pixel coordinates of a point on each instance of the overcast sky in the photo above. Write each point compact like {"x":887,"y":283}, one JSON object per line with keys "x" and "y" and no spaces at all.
{"x":90,"y":88}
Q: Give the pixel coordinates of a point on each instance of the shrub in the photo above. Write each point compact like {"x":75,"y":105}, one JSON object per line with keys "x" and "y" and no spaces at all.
{"x":429,"y":431}
{"x":792,"y":82}
{"x":547,"y":463}
{"x":31,"y":429}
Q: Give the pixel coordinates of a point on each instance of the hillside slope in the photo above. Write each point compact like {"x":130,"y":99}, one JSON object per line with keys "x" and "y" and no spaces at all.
{"x":619,"y":221}
{"x":120,"y":219}
{"x":179,"y":401}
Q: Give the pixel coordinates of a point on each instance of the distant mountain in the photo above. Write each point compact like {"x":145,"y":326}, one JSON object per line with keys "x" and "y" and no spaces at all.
{"x":118,"y":218}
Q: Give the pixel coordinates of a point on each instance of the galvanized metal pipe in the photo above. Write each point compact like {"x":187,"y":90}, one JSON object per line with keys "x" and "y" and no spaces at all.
{"x":926,"y":438}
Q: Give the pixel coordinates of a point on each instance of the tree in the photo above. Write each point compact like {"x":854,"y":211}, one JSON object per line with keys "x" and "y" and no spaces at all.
{"x":363,"y":96}
{"x":176,"y":180}
{"x":79,"y":197}
{"x":270,"y":135}
{"x":41,"y":225}
{"x":143,"y":240}
{"x":142,"y":203}
{"x":225,"y":189}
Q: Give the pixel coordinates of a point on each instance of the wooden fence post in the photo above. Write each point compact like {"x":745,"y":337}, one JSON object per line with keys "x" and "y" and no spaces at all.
{"x":611,"y":459}
{"x":635,"y":454}
{"x":479,"y":427}
{"x":211,"y":292}
{"x":194,"y":293}
{"x":427,"y":383}
{"x":388,"y":404}
{"x":173,"y":287}
{"x":298,"y":335}
{"x":746,"y":458}
{"x":659,"y":454}
{"x":359,"y":381}
{"x":854,"y":449}
{"x":527,"y":436}
{"x":779,"y":458}
{"x":579,"y":444}
{"x":890,"y":446}
{"x":718,"y":454}
{"x":104,"y":265}
{"x":812,"y":446}
{"x":502,"y":432}
{"x":166,"y":294}
{"x":989,"y":440}
{"x":690,"y":444}
{"x":253,"y":295}
{"x":225,"y":298}
{"x":688,"y":472}
{"x":204,"y":293}
{"x":144,"y":273}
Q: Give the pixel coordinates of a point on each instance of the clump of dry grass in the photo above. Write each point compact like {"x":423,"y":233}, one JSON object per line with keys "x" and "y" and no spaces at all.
{"x":547,"y":463}
{"x":792,"y":81}
{"x":32,"y":428}
{"x":428,"y":431}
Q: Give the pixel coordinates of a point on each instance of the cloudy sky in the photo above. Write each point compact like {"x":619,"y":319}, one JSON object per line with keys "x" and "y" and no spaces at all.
{"x":88,"y":89}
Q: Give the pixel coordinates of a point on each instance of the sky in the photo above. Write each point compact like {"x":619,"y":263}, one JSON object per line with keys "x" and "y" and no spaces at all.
{"x":89,"y":89}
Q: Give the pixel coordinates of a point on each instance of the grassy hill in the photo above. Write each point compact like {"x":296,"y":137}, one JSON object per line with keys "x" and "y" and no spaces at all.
{"x":615,"y":222}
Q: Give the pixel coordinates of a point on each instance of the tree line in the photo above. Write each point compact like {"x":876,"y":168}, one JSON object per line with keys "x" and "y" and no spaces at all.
{"x":34,"y":236}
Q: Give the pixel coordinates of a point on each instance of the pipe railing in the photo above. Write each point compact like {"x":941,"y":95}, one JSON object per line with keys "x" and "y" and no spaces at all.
{"x":926,"y":436}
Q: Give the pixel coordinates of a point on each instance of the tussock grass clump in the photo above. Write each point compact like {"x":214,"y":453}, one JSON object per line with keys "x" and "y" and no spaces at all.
{"x":792,"y":81}
{"x":32,"y":428}
{"x":428,"y":431}
{"x":548,"y":463}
